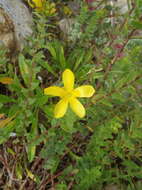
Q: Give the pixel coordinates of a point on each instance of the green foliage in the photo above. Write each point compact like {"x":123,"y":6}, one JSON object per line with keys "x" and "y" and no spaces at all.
{"x":104,"y":147}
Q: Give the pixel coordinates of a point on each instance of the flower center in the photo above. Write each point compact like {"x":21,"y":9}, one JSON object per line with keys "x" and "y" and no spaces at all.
{"x":69,"y":95}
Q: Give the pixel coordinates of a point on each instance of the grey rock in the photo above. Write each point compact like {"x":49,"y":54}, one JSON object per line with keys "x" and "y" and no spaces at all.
{"x":15,"y":23}
{"x":66,"y":25}
{"x":121,"y":4}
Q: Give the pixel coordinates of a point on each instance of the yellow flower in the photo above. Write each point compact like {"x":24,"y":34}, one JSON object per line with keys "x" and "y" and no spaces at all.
{"x":43,"y":6}
{"x":38,"y":4}
{"x":68,"y":95}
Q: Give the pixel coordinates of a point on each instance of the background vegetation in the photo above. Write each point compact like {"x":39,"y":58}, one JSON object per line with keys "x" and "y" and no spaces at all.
{"x":103,"y":48}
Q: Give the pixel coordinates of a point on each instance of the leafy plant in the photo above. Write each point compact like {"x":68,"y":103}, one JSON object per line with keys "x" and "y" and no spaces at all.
{"x":93,"y":152}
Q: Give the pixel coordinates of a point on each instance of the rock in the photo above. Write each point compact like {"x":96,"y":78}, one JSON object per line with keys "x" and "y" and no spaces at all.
{"x":15,"y":24}
{"x":66,"y":25}
{"x":122,"y":5}
{"x":7,"y":38}
{"x":69,"y":28}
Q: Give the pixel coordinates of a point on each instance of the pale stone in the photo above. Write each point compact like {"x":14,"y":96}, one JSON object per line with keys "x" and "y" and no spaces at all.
{"x":66,"y":25}
{"x":121,"y":4}
{"x":15,"y":23}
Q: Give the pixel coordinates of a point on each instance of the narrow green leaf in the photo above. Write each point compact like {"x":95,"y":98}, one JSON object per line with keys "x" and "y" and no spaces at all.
{"x":31,"y":152}
{"x":52,"y":50}
{"x":24,"y":69}
{"x":6,"y":99}
{"x":62,"y":58}
{"x":49,"y":68}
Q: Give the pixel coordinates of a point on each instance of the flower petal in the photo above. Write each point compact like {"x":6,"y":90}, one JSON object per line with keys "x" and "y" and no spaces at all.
{"x":84,"y":91}
{"x":54,"y":91}
{"x":68,"y":79}
{"x":35,"y":3}
{"x":77,"y":107}
{"x":60,"y":108}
